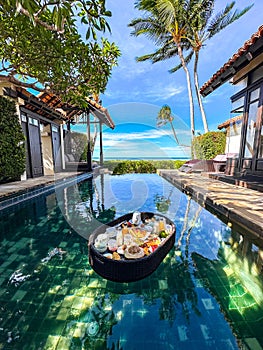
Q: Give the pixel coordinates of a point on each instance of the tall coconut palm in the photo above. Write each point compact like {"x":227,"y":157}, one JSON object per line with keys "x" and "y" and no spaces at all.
{"x":164,"y":117}
{"x":166,"y":26}
{"x":202,"y":27}
{"x":196,"y":25}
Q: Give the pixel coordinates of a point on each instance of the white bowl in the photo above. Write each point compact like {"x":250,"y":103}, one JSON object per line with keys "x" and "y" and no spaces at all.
{"x":101,"y":248}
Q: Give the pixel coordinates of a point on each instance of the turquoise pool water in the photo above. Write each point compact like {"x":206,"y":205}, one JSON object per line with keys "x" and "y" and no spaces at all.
{"x":206,"y":294}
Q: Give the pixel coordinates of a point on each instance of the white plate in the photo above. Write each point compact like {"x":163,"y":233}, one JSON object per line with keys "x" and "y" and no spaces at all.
{"x":138,"y":255}
{"x":120,"y":251}
{"x":108,"y":255}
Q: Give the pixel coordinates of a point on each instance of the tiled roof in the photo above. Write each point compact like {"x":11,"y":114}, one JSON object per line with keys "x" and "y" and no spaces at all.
{"x":53,"y":101}
{"x":52,"y":107}
{"x":230,"y":68}
{"x":230,"y":121}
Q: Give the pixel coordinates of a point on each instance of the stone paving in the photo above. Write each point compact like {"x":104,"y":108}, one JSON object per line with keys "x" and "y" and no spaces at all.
{"x":237,"y":205}
{"x":21,"y":186}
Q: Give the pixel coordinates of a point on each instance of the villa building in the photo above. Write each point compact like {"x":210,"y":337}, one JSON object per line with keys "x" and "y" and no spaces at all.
{"x":45,"y":121}
{"x":244,"y":130}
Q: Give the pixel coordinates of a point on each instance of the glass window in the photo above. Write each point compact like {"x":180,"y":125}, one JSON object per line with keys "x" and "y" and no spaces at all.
{"x":235,"y":127}
{"x":238,"y":105}
{"x":54,"y":128}
{"x":256,"y":75}
{"x":251,"y":127}
{"x":242,"y":84}
{"x":33,"y":121}
{"x":254,"y":95}
{"x":23,"y":117}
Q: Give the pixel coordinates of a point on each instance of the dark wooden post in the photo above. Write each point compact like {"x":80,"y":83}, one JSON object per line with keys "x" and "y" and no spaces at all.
{"x":89,"y":155}
{"x":101,"y":146}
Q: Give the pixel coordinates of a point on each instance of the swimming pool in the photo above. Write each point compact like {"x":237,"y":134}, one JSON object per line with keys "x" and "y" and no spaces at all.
{"x":206,"y":294}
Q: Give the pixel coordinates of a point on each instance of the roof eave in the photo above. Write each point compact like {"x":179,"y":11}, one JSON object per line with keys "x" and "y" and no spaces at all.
{"x":249,"y":51}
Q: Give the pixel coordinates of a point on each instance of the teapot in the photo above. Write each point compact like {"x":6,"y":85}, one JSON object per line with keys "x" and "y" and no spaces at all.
{"x":136,"y":218}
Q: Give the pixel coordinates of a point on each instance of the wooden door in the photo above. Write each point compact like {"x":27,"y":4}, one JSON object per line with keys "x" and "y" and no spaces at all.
{"x":56,"y":148}
{"x":35,"y":147}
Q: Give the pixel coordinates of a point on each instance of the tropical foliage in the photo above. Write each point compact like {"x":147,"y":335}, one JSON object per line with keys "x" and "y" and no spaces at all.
{"x":35,"y":55}
{"x":91,"y":13}
{"x":137,"y":166}
{"x":12,"y":148}
{"x":180,"y":28}
{"x":157,"y":164}
{"x":209,"y":145}
{"x":78,"y":145}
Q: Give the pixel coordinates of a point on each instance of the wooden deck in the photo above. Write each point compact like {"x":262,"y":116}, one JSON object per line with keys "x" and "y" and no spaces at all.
{"x":238,"y":206}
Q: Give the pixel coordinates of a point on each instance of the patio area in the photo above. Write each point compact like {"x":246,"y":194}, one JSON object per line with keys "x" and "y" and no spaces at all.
{"x":235,"y":204}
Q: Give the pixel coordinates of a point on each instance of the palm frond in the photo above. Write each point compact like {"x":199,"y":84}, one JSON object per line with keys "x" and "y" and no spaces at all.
{"x":145,"y":5}
{"x":225,"y":17}
{"x":149,"y":27}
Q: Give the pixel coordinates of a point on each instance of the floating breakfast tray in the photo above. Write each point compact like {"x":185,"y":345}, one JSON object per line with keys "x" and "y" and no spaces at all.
{"x":129,"y":267}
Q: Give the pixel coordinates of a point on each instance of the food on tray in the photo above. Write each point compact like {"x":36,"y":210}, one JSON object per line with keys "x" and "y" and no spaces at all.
{"x":164,"y":234}
{"x":112,"y":245}
{"x":154,"y":241}
{"x":134,"y":252}
{"x":146,"y":251}
{"x":134,"y":249}
{"x":115,"y":256}
{"x":127,"y":240}
{"x":138,"y":233}
{"x":108,"y":255}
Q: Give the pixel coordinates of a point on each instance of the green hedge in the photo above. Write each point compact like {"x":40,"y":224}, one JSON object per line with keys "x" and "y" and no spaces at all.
{"x":12,"y":143}
{"x":135,"y":166}
{"x":209,"y":145}
{"x":141,"y":166}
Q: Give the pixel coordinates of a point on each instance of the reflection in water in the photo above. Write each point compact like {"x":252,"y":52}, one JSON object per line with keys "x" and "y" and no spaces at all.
{"x":235,"y":280}
{"x":83,"y":206}
{"x":207,"y":293}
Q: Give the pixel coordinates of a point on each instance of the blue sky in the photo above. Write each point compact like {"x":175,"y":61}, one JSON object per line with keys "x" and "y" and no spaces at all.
{"x":137,"y":90}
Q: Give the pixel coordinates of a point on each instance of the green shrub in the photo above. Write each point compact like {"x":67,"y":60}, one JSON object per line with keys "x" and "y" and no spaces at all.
{"x":134,"y":166}
{"x":210,"y":144}
{"x":168,"y":164}
{"x":158,"y":164}
{"x":12,"y":142}
{"x":79,"y":145}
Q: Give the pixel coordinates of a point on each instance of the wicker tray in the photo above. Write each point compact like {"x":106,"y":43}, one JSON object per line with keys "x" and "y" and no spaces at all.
{"x":128,"y":270}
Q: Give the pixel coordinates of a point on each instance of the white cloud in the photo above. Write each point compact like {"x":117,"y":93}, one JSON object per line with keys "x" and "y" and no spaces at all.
{"x":110,"y":139}
{"x":156,"y":92}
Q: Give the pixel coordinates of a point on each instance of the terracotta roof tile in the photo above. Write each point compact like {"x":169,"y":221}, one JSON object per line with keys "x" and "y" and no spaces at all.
{"x":241,"y":51}
{"x":230,"y":121}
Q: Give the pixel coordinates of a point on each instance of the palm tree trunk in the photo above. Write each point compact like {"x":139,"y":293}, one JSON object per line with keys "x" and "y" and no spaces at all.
{"x":175,"y":136}
{"x":189,"y":88}
{"x":197,"y":90}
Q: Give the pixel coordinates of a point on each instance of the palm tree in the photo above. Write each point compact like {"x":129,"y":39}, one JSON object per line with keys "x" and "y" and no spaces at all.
{"x":203,"y":27}
{"x":166,"y":23}
{"x":164,"y":117}
{"x":182,"y":25}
